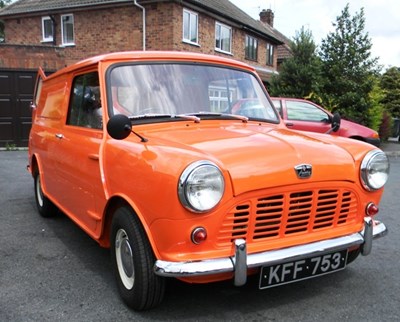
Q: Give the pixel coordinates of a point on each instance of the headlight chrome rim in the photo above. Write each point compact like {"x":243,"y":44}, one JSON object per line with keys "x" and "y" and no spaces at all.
{"x":188,"y":184}
{"x":372,"y":176}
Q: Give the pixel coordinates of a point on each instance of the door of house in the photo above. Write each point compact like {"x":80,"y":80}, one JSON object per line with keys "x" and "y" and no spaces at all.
{"x":16,"y":91}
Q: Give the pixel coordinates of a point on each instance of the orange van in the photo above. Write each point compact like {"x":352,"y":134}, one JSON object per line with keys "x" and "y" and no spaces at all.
{"x":144,"y":152}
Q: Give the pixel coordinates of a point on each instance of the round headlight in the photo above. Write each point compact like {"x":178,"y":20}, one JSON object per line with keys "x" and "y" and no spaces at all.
{"x":201,"y":186}
{"x":374,"y":170}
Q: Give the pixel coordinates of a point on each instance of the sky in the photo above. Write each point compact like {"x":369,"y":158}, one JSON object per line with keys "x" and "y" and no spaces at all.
{"x":382,"y":21}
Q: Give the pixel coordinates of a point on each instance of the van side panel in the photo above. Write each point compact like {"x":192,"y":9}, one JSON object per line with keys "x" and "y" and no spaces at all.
{"x":47,"y":123}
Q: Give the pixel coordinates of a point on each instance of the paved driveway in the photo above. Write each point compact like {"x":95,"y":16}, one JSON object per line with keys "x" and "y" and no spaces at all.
{"x":52,"y":271}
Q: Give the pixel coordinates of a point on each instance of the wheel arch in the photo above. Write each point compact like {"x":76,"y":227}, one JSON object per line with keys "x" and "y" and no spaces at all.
{"x":34,"y":165}
{"x":113,"y":204}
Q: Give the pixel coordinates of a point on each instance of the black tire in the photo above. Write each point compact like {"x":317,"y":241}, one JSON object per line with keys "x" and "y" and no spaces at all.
{"x":45,"y":207}
{"x":132,"y":261}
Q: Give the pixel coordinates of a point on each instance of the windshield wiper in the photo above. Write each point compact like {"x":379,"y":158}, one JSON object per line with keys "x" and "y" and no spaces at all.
{"x":244,"y":119}
{"x":190,"y":117}
{"x":195,"y":117}
{"x":171,"y":116}
{"x":149,"y":116}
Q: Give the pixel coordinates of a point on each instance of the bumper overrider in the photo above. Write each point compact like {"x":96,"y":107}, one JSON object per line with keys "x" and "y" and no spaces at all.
{"x":241,"y":261}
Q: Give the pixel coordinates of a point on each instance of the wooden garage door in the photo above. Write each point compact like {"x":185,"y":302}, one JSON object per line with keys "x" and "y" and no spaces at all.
{"x":16,"y":90}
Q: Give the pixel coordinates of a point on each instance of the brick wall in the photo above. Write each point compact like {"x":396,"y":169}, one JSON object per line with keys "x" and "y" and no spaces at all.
{"x":102,"y":31}
{"x":160,"y":26}
{"x":26,"y":31}
{"x":31,"y":57}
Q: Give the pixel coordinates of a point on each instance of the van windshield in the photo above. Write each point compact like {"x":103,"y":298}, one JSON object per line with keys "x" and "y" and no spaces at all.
{"x":171,"y":89}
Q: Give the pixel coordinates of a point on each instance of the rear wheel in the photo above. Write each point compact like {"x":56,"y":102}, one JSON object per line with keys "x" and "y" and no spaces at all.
{"x":133,"y":262}
{"x":45,"y":207}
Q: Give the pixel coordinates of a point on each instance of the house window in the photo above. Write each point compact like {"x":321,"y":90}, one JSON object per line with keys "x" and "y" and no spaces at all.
{"x":47,"y":29}
{"x":67,"y":29}
{"x":223,"y":37}
{"x":251,"y":48}
{"x":270,"y":54}
{"x":190,"y":27}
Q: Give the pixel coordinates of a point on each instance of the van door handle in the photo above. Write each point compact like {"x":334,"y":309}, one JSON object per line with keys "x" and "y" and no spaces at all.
{"x":289,"y":124}
{"x":93,"y":156}
{"x":59,"y":136}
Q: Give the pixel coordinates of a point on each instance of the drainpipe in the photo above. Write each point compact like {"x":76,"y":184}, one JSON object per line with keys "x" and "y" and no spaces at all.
{"x":144,"y":23}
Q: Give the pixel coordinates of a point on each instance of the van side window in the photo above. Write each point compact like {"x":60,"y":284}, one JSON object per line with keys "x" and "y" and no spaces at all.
{"x":85,"y":108}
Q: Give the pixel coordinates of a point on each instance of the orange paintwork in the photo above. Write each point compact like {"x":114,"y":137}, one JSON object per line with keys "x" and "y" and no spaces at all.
{"x":84,"y":171}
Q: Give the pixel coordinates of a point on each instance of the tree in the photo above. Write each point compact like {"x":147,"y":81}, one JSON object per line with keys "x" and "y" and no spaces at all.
{"x":375,"y":112}
{"x":299,"y":75}
{"x":3,"y":3}
{"x":390,"y":84}
{"x":347,"y":66}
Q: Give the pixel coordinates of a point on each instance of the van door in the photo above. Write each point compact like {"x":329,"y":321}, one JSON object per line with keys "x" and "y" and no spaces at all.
{"x":47,"y":116}
{"x":78,"y":154}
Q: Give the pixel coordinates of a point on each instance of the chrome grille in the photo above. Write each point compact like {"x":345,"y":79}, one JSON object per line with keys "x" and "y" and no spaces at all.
{"x":290,"y":213}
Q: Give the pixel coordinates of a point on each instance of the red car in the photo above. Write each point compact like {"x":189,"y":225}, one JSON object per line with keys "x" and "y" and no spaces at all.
{"x":300,"y":114}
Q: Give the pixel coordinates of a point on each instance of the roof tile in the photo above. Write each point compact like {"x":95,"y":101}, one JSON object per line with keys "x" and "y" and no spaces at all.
{"x":31,"y":6}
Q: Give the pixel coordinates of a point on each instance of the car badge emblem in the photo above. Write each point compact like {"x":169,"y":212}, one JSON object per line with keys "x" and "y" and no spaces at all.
{"x":303,"y":171}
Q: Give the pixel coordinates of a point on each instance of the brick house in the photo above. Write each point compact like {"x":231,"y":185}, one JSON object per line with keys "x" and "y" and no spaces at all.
{"x":55,"y":33}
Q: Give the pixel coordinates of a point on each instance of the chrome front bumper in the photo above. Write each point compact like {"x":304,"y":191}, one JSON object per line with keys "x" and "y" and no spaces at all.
{"x":241,"y":261}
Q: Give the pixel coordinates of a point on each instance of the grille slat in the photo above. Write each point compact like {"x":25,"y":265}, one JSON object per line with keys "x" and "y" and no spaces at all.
{"x":288,"y":214}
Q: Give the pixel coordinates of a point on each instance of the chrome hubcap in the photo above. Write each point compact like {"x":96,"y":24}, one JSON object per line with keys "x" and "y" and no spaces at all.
{"x":124,"y":257}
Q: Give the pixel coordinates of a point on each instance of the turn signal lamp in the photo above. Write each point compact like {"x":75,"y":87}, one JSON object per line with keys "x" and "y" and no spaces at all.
{"x":199,"y":235}
{"x":371,"y":209}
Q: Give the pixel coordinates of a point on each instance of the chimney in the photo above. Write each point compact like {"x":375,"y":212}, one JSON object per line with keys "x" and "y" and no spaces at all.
{"x":267,"y":17}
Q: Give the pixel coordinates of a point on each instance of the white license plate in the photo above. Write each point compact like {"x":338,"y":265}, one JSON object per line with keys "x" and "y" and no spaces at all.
{"x":294,"y":271}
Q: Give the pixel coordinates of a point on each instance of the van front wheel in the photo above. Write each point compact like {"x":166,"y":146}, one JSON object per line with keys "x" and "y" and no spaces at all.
{"x":133,"y":261}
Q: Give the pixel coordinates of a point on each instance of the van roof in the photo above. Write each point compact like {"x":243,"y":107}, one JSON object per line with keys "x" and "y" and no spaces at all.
{"x":149,"y":56}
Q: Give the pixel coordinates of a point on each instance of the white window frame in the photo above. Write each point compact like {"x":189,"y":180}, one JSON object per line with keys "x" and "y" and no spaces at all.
{"x":219,"y":27}
{"x":251,"y":47}
{"x":270,"y":49}
{"x":67,"y":43}
{"x":48,"y":37}
{"x":192,"y":15}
